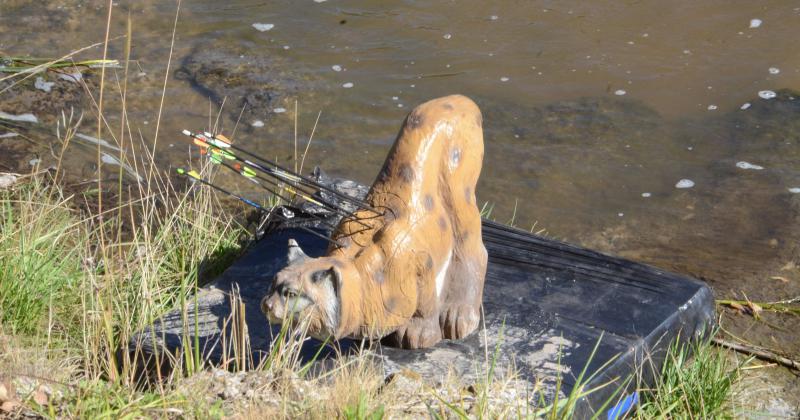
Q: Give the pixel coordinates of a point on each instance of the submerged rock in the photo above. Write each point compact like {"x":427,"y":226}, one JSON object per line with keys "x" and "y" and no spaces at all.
{"x":255,"y":82}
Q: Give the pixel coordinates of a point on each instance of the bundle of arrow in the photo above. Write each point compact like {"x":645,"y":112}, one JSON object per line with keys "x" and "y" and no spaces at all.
{"x":270,"y":176}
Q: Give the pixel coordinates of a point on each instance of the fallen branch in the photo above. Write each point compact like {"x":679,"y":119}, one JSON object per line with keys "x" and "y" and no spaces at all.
{"x":758,"y":352}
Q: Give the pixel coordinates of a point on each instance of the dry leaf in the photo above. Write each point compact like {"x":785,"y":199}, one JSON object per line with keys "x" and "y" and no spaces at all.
{"x":9,"y":406}
{"x":782,"y":279}
{"x":754,"y":308}
{"x":7,"y":392}
{"x":40,"y":397}
{"x":737,"y":307}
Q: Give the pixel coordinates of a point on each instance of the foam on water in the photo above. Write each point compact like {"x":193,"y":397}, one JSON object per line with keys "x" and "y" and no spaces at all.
{"x":748,"y":165}
{"x":27,"y":117}
{"x":263,"y":27}
{"x":95,"y":140}
{"x":767,"y":94}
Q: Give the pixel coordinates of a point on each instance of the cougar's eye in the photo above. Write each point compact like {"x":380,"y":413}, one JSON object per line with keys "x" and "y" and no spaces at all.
{"x":288,"y":293}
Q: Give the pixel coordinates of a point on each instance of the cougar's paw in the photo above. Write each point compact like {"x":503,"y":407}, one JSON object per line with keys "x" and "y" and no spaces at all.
{"x":458,"y":321}
{"x":417,"y":334}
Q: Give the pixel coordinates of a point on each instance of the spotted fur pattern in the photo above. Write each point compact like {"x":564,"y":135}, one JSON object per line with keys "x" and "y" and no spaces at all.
{"x":414,"y":273}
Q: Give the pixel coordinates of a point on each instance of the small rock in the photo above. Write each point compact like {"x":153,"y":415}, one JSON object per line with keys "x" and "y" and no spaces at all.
{"x":257,"y":123}
{"x":347,"y":85}
{"x":336,"y":67}
{"x":774,"y":70}
{"x":745,"y":106}
{"x":685,"y":183}
{"x":43,"y":85}
{"x":755,"y":23}
{"x":406,"y":381}
{"x":619,"y":92}
{"x":7,"y":180}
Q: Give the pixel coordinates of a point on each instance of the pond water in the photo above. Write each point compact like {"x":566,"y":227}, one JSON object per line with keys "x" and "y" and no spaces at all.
{"x":643,"y":129}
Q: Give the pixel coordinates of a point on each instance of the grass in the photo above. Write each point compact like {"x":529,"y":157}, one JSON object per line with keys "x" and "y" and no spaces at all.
{"x":697,"y":380}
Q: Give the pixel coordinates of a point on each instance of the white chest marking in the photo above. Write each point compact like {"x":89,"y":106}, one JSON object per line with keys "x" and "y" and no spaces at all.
{"x":442,"y":273}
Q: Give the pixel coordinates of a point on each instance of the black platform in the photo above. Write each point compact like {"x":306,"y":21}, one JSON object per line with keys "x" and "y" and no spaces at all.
{"x":541,"y":297}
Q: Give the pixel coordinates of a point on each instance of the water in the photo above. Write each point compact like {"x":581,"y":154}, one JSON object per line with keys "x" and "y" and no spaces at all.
{"x":619,"y":125}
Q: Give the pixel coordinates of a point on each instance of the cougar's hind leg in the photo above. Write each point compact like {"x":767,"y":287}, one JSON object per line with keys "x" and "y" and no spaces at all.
{"x":461,"y":308}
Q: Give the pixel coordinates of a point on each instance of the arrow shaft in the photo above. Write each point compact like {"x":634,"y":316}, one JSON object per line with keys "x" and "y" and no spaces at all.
{"x":196,"y":177}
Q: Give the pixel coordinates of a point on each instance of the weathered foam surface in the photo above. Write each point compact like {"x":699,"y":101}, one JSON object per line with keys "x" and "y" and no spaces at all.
{"x":541,"y":297}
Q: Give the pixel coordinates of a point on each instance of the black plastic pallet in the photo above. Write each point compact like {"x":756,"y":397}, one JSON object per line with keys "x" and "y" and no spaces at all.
{"x":547,"y":306}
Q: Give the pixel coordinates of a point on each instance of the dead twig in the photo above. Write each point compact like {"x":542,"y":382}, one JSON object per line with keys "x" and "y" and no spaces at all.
{"x":758,"y":352}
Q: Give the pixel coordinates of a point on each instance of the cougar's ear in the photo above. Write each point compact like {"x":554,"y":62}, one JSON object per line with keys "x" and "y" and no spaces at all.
{"x":295,"y":254}
{"x":330,"y":275}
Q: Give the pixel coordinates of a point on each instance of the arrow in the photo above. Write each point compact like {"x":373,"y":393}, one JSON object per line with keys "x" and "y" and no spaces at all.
{"x":217,"y":150}
{"x":193,"y":175}
{"x":279,"y":171}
